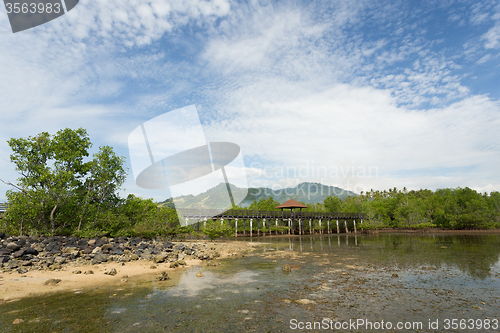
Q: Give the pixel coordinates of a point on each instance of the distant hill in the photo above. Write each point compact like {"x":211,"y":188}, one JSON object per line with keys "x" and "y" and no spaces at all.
{"x":304,"y":192}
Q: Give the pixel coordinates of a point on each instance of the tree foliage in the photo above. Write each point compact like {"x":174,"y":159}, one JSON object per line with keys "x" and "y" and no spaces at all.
{"x":460,"y":208}
{"x":58,"y":189}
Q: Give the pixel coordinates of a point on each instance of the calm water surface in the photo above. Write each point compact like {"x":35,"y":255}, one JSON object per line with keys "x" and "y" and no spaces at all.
{"x":333,"y":279}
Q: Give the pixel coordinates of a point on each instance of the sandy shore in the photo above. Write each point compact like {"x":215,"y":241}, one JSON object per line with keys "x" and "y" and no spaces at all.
{"x":15,"y":286}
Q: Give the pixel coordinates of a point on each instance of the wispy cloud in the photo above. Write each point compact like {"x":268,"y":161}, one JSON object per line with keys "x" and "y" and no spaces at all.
{"x":341,"y":84}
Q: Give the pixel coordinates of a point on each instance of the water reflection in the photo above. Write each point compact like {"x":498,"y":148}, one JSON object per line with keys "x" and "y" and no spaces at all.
{"x":396,"y":276}
{"x":476,"y":255}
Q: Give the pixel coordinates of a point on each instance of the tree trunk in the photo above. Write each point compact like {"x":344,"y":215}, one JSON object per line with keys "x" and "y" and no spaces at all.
{"x":52,"y":222}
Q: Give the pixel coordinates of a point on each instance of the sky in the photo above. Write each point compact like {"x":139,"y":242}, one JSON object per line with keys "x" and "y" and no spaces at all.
{"x":356,"y":94}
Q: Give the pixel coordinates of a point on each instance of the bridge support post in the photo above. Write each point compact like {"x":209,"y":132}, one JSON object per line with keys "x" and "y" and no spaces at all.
{"x":355,"y":231}
{"x":289,"y":226}
{"x":320,"y":230}
{"x":264,"y":226}
{"x":205,"y":223}
{"x":236,"y":228}
{"x":338,"y":229}
{"x":221,"y":222}
{"x":346,"y":230}
{"x":251,"y":220}
{"x":276,"y":226}
{"x":310,"y":222}
{"x":244,"y":226}
{"x":328,"y":227}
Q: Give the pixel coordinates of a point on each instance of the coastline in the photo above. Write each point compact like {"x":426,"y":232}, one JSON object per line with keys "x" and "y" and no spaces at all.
{"x":15,"y":285}
{"x":430,"y":230}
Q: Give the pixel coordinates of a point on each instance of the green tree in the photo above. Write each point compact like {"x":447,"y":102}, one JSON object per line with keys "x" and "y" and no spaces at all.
{"x":268,"y":204}
{"x":57,"y":186}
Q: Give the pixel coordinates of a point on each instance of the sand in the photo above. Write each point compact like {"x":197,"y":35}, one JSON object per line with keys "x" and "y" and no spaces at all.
{"x":14,"y":286}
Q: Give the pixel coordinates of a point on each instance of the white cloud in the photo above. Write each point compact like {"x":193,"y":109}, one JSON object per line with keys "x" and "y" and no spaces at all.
{"x":492,"y":37}
{"x":336,"y":83}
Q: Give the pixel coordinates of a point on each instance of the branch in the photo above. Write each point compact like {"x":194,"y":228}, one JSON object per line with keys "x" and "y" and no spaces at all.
{"x":15,"y":186}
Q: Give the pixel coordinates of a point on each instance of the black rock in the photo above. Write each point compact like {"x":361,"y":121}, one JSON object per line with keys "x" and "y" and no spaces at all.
{"x":19,"y":253}
{"x":2,"y":235}
{"x":99,"y":258}
{"x":21,"y":242}
{"x":27,"y":257}
{"x":4,"y":259}
{"x":168,"y":245}
{"x":87,"y":250}
{"x":31,"y":251}
{"x":116,"y":251}
{"x":99,"y":242}
{"x":13,"y":264}
{"x":5,"y":252}
{"x":52,"y":246}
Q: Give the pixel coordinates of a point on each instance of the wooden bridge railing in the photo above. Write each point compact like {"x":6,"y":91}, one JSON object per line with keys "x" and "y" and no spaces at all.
{"x":260,"y":214}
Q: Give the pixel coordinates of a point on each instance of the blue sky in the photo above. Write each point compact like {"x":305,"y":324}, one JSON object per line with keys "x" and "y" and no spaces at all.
{"x":378,"y":94}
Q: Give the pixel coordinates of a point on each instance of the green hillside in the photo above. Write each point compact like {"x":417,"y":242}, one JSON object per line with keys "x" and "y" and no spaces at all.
{"x":304,"y":192}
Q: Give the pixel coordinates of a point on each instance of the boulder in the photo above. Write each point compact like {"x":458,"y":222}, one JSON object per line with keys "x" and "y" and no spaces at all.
{"x":13,"y":246}
{"x":87,"y":250}
{"x":59,"y":260}
{"x":55,"y":266}
{"x":31,"y":251}
{"x":99,"y":258}
{"x":106,"y":247}
{"x":49,"y":260}
{"x":13,"y":264}
{"x":19,"y":253}
{"x":159,"y":258}
{"x":52,"y":282}
{"x":21,"y":270}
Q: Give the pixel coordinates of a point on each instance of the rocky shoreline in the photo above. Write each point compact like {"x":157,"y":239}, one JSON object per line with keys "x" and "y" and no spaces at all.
{"x":24,"y":254}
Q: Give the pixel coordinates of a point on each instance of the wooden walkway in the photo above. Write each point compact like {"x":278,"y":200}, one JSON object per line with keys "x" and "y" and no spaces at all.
{"x":274,"y":222}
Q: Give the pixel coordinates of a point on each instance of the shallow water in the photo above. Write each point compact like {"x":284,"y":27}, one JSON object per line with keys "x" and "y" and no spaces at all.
{"x":333,"y":279}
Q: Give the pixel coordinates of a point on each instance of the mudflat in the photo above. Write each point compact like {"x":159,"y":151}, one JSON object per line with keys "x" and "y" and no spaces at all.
{"x":83,"y":274}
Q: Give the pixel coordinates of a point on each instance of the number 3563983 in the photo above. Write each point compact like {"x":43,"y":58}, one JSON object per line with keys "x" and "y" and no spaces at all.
{"x":33,"y":8}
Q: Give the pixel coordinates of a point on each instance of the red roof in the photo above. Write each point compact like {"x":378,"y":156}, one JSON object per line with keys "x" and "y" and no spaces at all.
{"x":291,"y":204}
